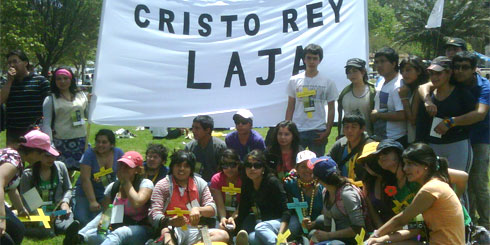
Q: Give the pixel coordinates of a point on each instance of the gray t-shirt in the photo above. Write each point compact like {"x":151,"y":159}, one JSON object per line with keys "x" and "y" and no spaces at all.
{"x":353,"y":210}
{"x":207,"y":158}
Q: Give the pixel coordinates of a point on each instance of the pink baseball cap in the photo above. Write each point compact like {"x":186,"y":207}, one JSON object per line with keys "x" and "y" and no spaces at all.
{"x":132,"y":159}
{"x":39,"y":140}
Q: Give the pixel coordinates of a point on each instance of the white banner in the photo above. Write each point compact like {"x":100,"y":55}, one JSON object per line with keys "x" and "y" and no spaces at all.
{"x":164,"y":62}
{"x":435,"y":18}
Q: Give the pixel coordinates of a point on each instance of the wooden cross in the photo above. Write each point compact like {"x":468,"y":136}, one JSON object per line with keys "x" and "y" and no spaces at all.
{"x":282,"y":238}
{"x":298,"y":207}
{"x":103,"y":172}
{"x":179,"y":212}
{"x":306,"y":93}
{"x":360,"y":237}
{"x":41,"y":217}
{"x":231,"y":189}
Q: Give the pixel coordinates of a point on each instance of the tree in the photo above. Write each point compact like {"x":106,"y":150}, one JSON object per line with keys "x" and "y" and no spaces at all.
{"x":465,"y":19}
{"x":51,"y":29}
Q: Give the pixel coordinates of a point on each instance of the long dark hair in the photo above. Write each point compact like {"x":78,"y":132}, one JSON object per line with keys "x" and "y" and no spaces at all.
{"x":275,"y":148}
{"x":36,"y":174}
{"x":417,"y":64}
{"x":423,"y":154}
{"x":73,"y":83}
{"x":258,"y":156}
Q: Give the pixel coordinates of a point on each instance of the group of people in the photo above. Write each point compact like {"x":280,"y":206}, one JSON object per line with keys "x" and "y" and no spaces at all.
{"x":407,"y":148}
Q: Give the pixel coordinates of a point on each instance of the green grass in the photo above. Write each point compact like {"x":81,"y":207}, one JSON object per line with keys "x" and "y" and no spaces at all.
{"x":139,"y":143}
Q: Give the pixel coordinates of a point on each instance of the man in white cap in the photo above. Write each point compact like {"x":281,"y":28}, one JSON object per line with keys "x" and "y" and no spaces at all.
{"x":244,"y":139}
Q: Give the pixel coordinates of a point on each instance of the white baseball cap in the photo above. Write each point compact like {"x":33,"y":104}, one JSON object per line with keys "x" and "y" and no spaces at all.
{"x":304,"y":155}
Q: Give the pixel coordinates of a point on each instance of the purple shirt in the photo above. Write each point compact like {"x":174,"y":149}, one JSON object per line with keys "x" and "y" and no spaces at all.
{"x":255,"y":141}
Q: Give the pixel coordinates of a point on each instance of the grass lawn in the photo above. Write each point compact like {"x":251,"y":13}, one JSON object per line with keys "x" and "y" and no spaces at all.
{"x":139,"y":143}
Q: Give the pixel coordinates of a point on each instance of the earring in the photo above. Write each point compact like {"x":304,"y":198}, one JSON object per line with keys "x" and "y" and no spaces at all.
{"x":425,"y":168}
{"x":263,"y":172}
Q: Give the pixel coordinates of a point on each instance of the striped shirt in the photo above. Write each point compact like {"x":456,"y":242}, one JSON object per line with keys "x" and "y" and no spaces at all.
{"x":25,"y":102}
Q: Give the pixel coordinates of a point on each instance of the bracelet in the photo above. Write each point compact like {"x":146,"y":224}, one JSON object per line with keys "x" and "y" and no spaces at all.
{"x":448,"y":123}
{"x":375,"y":234}
{"x":451,"y":119}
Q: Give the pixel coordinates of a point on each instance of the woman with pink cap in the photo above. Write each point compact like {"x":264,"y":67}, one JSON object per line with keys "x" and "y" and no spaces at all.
{"x":130,"y":194}
{"x":33,"y":146}
{"x":64,"y":114}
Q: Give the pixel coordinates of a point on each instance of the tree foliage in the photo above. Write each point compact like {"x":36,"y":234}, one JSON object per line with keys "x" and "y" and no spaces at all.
{"x":465,"y":19}
{"x":50,"y":29}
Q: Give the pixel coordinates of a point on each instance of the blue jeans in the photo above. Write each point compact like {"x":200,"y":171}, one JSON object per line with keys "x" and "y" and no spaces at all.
{"x":82,"y":211}
{"x":306,"y":140}
{"x":15,"y":230}
{"x":478,"y":185}
{"x":132,"y":234}
{"x":266,"y":232}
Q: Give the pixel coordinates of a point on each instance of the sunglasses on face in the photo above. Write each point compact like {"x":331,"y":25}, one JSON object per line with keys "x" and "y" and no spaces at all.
{"x":256,"y":165}
{"x":243,"y":121}
{"x":226,"y":165}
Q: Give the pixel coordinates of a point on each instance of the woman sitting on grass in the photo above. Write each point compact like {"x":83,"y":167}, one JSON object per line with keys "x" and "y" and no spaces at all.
{"x":436,"y":201}
{"x":133,"y":192}
{"x":52,"y":182}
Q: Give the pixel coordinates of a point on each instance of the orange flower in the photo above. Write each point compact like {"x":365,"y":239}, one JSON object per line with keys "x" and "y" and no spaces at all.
{"x":390,"y":190}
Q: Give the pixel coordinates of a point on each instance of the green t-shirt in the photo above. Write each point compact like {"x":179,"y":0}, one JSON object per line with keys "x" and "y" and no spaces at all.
{"x":46,"y":189}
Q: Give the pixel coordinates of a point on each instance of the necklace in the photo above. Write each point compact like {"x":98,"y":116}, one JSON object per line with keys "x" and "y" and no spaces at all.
{"x":306,"y":184}
{"x":313,"y":191}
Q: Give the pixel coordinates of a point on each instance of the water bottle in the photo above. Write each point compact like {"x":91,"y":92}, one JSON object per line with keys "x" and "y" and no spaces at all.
{"x":106,"y":220}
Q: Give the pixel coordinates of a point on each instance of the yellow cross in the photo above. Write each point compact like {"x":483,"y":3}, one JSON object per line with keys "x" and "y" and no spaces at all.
{"x":103,"y":172}
{"x":306,"y":93}
{"x":179,"y":212}
{"x":41,"y":217}
{"x":230,"y":189}
{"x":283,"y":237}
{"x":360,"y":237}
{"x":399,"y":205}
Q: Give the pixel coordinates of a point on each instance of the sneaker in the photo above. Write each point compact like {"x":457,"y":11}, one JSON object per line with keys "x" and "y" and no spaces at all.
{"x":71,"y":234}
{"x":242,"y":238}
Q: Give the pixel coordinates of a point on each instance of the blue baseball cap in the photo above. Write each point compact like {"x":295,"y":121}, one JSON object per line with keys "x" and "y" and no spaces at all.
{"x":322,"y":166}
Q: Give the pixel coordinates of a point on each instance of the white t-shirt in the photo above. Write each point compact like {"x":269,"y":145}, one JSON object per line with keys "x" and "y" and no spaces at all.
{"x":325,"y":91}
{"x":388,"y":100}
{"x":358,"y":105}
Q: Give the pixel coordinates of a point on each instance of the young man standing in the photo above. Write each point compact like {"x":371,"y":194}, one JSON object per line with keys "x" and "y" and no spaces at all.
{"x":308,"y":92}
{"x":454,"y":45}
{"x":23,"y":94}
{"x":347,"y":149}
{"x":388,"y":116}
{"x":206,"y":147}
{"x":464,"y":71}
{"x":244,"y":139}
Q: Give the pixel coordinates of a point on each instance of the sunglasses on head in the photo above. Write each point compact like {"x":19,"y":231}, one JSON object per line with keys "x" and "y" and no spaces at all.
{"x":226,"y":165}
{"x":256,"y":165}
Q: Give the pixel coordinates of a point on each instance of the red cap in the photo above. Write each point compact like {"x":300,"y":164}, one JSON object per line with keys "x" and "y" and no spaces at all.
{"x":132,"y":159}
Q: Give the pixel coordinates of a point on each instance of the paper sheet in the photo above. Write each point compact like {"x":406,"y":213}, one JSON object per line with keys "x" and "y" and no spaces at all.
{"x":435,"y":122}
{"x":32,"y":199}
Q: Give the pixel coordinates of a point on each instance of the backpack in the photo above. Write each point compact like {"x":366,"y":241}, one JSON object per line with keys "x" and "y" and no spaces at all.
{"x":365,"y":213}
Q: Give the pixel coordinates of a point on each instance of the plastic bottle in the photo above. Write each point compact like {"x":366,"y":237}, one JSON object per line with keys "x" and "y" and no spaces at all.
{"x":106,"y":220}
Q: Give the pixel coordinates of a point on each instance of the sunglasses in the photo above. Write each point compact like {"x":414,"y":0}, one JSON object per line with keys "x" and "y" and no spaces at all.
{"x":462,"y":67}
{"x":242,"y":121}
{"x":226,"y":165}
{"x":256,"y":165}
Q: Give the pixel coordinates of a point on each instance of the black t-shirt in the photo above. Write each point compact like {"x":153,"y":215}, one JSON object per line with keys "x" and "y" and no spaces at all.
{"x":458,"y":103}
{"x":271,"y":200}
